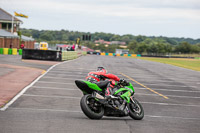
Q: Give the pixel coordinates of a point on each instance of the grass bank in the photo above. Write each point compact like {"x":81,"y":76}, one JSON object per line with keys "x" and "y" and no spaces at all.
{"x":193,"y":64}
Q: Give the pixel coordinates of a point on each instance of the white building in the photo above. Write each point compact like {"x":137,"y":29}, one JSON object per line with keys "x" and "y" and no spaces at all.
{"x":121,"y":51}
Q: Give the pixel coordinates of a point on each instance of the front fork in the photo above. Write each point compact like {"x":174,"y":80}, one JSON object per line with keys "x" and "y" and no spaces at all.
{"x":132,"y":99}
{"x":136,"y":107}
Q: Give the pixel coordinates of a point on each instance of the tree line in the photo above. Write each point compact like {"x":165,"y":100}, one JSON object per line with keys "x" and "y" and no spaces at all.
{"x":136,"y":44}
{"x":161,"y":46}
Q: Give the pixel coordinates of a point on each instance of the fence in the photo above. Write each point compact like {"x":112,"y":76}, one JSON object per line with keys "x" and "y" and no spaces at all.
{"x":51,"y":55}
{"x":41,"y":54}
{"x":70,"y":55}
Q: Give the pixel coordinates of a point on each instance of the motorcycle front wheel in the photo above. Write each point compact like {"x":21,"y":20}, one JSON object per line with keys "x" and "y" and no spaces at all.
{"x":91,"y":107}
{"x":136,"y":110}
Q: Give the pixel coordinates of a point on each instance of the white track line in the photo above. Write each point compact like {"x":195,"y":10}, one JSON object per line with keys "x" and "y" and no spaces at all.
{"x":54,"y":82}
{"x":164,"y":81}
{"x":45,"y":96}
{"x":168,"y":78}
{"x":53,"y":88}
{"x":172,"y":117}
{"x":50,"y":75}
{"x":167,"y":90}
{"x":165,"y":85}
{"x":69,"y":72}
{"x":61,"y":75}
{"x":47,"y":77}
{"x":31,"y":84}
{"x":73,"y":111}
{"x":191,"y":97}
{"x":171,"y":104}
{"x":55,"y":110}
{"x":176,"y":96}
{"x":74,"y":69}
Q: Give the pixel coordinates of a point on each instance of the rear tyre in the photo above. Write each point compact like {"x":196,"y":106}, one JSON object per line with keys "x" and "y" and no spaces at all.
{"x":136,"y":110}
{"x":91,"y":108}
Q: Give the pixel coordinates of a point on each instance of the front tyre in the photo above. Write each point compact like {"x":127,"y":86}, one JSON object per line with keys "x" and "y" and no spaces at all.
{"x":91,"y":107}
{"x":136,"y":110}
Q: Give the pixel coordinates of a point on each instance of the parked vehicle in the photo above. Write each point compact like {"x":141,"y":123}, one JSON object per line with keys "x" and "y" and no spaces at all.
{"x":43,"y":46}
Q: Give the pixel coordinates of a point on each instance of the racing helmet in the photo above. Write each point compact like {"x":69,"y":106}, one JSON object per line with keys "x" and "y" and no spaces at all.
{"x":101,"y":69}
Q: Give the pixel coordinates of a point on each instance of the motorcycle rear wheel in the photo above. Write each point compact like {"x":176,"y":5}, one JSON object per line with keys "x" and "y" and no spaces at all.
{"x":136,"y":110}
{"x":91,"y":108}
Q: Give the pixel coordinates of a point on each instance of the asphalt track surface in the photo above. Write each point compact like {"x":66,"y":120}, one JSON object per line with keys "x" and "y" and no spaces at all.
{"x":170,"y":96}
{"x":16,"y":60}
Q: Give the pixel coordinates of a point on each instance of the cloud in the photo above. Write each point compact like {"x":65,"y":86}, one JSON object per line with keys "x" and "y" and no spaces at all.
{"x":182,"y":9}
{"x":99,"y":5}
{"x":60,"y":13}
{"x":141,"y":9}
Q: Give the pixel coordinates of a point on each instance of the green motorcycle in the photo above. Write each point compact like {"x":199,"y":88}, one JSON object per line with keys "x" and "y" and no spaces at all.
{"x":95,"y":104}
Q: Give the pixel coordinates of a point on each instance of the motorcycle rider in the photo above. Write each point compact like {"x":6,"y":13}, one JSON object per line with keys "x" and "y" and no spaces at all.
{"x":101,"y":75}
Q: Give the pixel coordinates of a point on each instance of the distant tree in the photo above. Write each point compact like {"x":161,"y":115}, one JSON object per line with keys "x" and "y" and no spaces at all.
{"x":184,"y":47}
{"x":168,"y":48}
{"x":152,"y":49}
{"x":171,"y":41}
{"x":35,"y":34}
{"x":65,"y":37}
{"x":46,"y":37}
{"x":195,"y":49}
{"x":140,"y":38}
{"x":125,"y":38}
{"x":142,"y":47}
{"x":115,"y":38}
{"x":148,"y":41}
{"x":132,"y":46}
{"x":136,"y":44}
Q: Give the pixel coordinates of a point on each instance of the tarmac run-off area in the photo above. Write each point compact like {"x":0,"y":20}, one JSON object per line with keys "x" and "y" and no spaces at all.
{"x":50,"y":101}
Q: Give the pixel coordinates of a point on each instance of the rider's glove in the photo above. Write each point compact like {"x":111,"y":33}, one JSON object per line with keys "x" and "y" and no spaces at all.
{"x":123,"y":82}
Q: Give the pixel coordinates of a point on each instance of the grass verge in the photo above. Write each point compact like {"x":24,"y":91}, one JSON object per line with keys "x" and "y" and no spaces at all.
{"x":193,"y":64}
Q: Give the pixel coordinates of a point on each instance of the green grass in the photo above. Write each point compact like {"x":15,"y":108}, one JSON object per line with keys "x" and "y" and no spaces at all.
{"x":193,"y":64}
{"x":186,"y":55}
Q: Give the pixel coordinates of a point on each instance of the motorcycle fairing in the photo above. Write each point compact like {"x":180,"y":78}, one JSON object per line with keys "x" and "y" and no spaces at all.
{"x":87,"y":87}
{"x":127,"y":92}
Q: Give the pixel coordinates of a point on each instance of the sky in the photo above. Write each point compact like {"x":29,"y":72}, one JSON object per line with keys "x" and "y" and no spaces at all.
{"x":170,"y":18}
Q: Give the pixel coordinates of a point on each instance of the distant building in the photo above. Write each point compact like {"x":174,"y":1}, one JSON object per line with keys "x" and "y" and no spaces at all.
{"x":84,"y":48}
{"x":101,"y":41}
{"x":122,"y":51}
{"x":6,"y":21}
{"x":8,"y":39}
{"x":28,"y":42}
{"x":118,"y":42}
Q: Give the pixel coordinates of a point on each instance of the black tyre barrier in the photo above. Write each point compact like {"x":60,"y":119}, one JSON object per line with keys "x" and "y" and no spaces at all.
{"x":49,"y":55}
